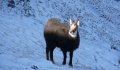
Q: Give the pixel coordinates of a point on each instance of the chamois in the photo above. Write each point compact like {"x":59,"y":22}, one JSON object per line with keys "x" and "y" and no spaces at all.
{"x":58,"y":34}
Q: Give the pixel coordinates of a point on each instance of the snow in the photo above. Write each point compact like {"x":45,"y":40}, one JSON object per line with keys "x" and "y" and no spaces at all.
{"x":22,"y":44}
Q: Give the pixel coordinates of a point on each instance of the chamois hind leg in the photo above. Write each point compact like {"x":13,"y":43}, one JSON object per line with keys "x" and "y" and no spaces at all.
{"x":47,"y":52}
{"x":51,"y":54}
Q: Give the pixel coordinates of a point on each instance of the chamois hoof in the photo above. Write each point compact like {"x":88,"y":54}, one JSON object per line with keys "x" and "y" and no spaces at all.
{"x":63,"y":63}
{"x":70,"y":65}
{"x":53,"y":62}
{"x":47,"y":58}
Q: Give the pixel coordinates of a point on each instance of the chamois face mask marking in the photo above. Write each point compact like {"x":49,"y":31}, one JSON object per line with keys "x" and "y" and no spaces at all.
{"x":73,"y":29}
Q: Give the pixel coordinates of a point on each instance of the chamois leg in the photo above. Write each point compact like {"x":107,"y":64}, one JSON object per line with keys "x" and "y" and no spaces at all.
{"x":64,"y":59}
{"x":71,"y":55}
{"x":47,"y":52}
{"x":51,"y":55}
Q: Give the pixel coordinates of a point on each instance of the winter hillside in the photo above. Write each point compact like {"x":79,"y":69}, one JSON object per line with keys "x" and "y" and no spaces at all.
{"x":22,"y":44}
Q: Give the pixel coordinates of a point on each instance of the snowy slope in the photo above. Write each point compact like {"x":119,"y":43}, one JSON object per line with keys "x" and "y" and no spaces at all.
{"x":22,"y":45}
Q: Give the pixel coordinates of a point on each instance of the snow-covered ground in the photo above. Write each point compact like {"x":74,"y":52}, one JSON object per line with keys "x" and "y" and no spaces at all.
{"x":22,"y":45}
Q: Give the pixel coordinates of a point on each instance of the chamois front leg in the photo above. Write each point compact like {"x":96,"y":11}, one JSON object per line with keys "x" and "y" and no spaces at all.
{"x":64,"y":59}
{"x":71,"y":55}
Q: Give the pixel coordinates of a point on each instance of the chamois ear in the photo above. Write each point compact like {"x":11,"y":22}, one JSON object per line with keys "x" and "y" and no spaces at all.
{"x":70,"y":21}
{"x":78,"y":23}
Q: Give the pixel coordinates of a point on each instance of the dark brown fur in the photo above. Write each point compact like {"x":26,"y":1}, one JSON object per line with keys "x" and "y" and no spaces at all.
{"x":56,"y":35}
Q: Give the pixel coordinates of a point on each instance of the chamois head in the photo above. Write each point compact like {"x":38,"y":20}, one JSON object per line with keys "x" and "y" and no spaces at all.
{"x":73,"y":28}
